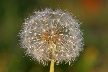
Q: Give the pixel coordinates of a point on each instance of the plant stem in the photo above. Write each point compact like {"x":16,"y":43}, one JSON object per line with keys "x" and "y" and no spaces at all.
{"x":52,"y":66}
{"x":53,"y":49}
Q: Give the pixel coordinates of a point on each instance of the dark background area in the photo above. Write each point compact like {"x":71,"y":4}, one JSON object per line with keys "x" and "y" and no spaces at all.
{"x":94,"y":17}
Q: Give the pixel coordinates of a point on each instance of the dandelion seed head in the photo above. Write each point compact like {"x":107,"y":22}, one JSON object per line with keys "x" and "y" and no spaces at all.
{"x":49,"y":33}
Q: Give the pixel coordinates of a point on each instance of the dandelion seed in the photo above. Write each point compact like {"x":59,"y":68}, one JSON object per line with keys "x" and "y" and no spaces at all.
{"x":52,"y":36}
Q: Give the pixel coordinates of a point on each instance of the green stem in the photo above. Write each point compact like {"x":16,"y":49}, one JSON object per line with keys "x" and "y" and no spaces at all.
{"x":53,"y":48}
{"x":52,"y":66}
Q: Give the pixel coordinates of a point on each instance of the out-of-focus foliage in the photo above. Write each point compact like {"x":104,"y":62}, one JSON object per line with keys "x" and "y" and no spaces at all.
{"x":93,"y":14}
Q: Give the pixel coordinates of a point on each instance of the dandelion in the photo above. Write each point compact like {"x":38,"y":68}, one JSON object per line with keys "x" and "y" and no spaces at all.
{"x":52,"y":36}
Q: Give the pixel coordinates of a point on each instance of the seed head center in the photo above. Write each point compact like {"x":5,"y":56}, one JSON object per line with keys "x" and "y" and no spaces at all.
{"x":51,"y":35}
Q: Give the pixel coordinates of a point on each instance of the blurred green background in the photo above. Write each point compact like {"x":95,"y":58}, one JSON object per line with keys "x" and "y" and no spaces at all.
{"x":94,"y":17}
